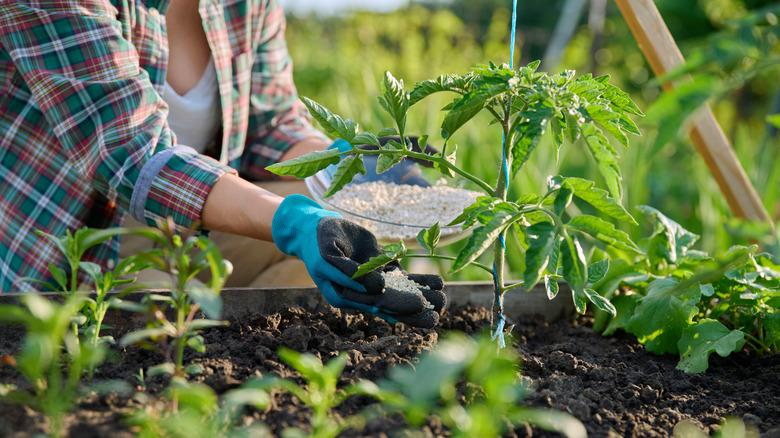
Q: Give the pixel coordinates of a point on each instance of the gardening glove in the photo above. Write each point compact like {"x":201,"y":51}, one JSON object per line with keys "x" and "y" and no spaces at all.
{"x":405,"y":172}
{"x":333,"y":248}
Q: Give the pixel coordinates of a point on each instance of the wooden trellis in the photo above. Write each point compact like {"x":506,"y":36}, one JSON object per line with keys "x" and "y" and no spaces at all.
{"x":663,"y":55}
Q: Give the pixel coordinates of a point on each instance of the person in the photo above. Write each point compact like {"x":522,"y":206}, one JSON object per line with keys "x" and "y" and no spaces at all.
{"x":160,"y":109}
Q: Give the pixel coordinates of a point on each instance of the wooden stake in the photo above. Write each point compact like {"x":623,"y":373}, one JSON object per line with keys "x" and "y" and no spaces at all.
{"x":662,"y":53}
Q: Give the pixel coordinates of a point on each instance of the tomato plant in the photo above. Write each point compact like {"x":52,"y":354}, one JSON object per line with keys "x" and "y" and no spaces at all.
{"x":525,"y":104}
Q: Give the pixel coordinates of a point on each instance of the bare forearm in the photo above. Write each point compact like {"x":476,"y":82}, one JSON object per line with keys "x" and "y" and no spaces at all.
{"x":304,"y":147}
{"x":237,"y":206}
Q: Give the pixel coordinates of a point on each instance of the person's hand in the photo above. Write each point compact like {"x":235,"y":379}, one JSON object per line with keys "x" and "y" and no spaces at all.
{"x":333,"y":248}
{"x":406,"y":172}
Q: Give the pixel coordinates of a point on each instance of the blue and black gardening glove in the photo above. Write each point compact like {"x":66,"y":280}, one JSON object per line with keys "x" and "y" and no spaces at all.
{"x":332,"y":249}
{"x":405,"y":172}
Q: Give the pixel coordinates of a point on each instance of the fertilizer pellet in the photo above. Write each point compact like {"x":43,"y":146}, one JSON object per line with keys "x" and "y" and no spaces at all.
{"x":403,"y":204}
{"x":397,"y":280}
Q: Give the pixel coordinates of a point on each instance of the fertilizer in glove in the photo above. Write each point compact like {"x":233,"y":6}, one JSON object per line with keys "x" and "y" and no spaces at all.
{"x":397,"y":280}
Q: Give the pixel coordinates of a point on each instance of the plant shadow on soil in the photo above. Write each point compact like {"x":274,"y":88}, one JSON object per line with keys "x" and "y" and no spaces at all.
{"x":611,"y":384}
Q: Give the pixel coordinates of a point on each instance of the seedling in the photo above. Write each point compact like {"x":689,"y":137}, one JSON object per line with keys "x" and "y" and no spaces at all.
{"x":473,"y":390}
{"x":200,"y":413}
{"x":51,"y":359}
{"x":679,"y":300}
{"x":183,"y":258}
{"x":525,"y":104}
{"x":320,"y":393}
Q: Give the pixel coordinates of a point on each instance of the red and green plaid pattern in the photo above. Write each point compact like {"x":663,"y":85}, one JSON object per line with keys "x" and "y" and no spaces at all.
{"x":83,"y":132}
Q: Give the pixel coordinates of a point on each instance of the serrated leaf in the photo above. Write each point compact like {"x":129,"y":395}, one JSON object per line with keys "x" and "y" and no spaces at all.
{"x":528,"y":133}
{"x":366,"y":138}
{"x":551,"y":286}
{"x":597,"y":271}
{"x":541,"y":240}
{"x":386,"y":162}
{"x":463,"y":110}
{"x":670,"y":240}
{"x":423,"y":89}
{"x":601,"y":303}
{"x":662,"y":314}
{"x":606,"y":157}
{"x":429,"y":237}
{"x":562,"y":200}
{"x":598,"y":199}
{"x":624,"y":305}
{"x":481,"y":239}
{"x":608,"y":121}
{"x":333,"y":124}
{"x":347,"y":170}
{"x":620,"y":99}
{"x":575,"y":268}
{"x":604,"y":231}
{"x":395,"y":100}
{"x":700,"y":340}
{"x":390,"y":253}
{"x":306,"y":165}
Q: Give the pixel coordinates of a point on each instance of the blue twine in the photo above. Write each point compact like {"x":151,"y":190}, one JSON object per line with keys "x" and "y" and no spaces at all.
{"x":499,"y":333}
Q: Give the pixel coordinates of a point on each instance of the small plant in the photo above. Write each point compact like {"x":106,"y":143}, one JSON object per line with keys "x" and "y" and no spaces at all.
{"x":678,"y":300}
{"x":526,"y":104}
{"x":473,"y":390}
{"x":320,"y":393}
{"x":199,"y":413}
{"x":51,"y":359}
{"x":183,"y":258}
{"x":731,"y":427}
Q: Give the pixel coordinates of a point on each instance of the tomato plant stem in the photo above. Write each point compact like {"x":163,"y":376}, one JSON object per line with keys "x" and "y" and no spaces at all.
{"x":449,"y":258}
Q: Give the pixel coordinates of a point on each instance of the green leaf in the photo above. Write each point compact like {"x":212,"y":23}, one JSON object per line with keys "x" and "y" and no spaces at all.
{"x":348,"y":168}
{"x":197,"y":343}
{"x":333,"y":124}
{"x":425,"y":88}
{"x":670,"y":240}
{"x":774,"y":120}
{"x":395,"y":100}
{"x":528,"y":133}
{"x":598,"y":199}
{"x":620,"y":99}
{"x":608,"y":121}
{"x":597,"y":271}
{"x":541,"y":240}
{"x":624,"y":305}
{"x":562,"y":200}
{"x":386,"y":162}
{"x":556,"y":126}
{"x":481,"y":239}
{"x":604,"y":231}
{"x":59,"y":275}
{"x":429,"y":238}
{"x":463,"y":110}
{"x":575,"y":269}
{"x":551,"y":286}
{"x":662,"y":314}
{"x":672,"y":109}
{"x":600,"y":302}
{"x":606,"y":156}
{"x":702,"y":339}
{"x":390,"y":253}
{"x":166,"y":368}
{"x":143,"y":334}
{"x":208,"y":299}
{"x":306,"y":165}
{"x":366,"y":138}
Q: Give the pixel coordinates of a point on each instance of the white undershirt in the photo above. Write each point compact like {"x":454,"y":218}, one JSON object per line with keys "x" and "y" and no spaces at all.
{"x":195,"y":117}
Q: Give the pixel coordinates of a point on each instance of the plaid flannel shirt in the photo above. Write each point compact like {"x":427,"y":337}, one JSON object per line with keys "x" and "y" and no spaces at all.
{"x":83,"y":131}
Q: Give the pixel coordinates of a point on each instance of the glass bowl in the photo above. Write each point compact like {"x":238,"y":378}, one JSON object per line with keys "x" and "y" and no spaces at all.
{"x":318,"y":184}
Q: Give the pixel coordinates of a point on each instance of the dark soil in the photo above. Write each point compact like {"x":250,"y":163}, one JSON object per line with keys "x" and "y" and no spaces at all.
{"x":611,"y":384}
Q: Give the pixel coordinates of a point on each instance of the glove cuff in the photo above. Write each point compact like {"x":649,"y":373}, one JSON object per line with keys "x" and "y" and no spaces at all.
{"x":341,"y":144}
{"x":295,"y":222}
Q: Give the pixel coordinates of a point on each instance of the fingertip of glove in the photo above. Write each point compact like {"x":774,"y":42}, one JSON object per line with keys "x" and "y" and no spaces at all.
{"x":425,"y":320}
{"x":436,"y":297}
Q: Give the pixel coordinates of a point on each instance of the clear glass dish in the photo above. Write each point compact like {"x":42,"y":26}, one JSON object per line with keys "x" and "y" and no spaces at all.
{"x":318,"y":184}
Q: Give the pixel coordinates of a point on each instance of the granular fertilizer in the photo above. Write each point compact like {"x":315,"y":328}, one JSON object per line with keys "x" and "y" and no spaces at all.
{"x":402,"y":204}
{"x":397,"y":280}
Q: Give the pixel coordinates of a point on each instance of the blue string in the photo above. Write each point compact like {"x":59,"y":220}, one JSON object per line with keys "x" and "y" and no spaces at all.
{"x":499,"y":333}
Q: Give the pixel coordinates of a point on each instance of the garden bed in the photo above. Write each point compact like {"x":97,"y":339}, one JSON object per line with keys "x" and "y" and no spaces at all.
{"x":611,"y":384}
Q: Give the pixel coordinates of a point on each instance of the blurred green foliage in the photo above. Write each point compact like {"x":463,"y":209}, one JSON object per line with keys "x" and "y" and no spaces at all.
{"x":338,"y":60}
